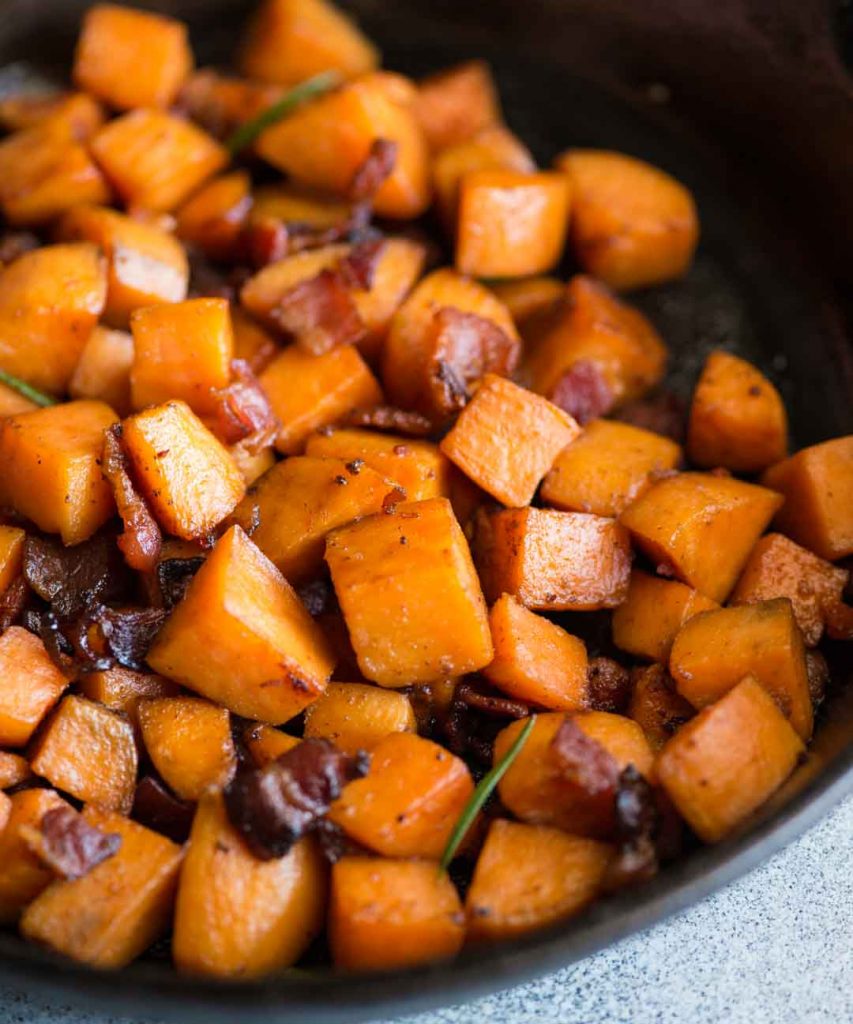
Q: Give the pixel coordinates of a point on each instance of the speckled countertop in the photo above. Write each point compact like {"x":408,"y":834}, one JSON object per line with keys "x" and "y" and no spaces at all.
{"x":774,"y":948}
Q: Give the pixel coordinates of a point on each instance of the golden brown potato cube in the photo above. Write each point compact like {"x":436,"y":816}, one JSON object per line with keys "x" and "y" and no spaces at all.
{"x":12,"y":402}
{"x":242,"y":638}
{"x":26,"y":110}
{"x":410,"y":596}
{"x":266,"y":744}
{"x":213,"y":217}
{"x":456,"y":103}
{"x":30,"y":684}
{"x":122,"y":689}
{"x":356,"y":717}
{"x":11,"y":555}
{"x":656,"y":707}
{"x":103,"y":371}
{"x":14,"y":769}
{"x":22,"y":874}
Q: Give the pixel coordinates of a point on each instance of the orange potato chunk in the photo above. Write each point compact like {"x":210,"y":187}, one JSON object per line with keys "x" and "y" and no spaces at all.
{"x":240,"y":917}
{"x":12,"y":402}
{"x":131,"y":58}
{"x":30,"y":684}
{"x":266,"y":744}
{"x":715,"y":650}
{"x":417,"y":563}
{"x":213,"y":217}
{"x":122,"y":690}
{"x":701,"y":527}
{"x":188,"y":478}
{"x":242,"y":638}
{"x":408,"y":803}
{"x":356,"y":717}
{"x":632,"y":225}
{"x":22,"y":874}
{"x":155,"y":160}
{"x":724,"y":764}
{"x":88,"y":751}
{"x":251,"y":341}
{"x":50,"y":468}
{"x":14,"y":769}
{"x":11,"y":555}
{"x":656,"y":706}
{"x":114,"y":913}
{"x":456,"y":103}
{"x":295,"y":205}
{"x":553,"y":561}
{"x":536,"y":661}
{"x":102,"y":373}
{"x":529,"y":299}
{"x":26,"y":110}
{"x":817,"y":485}
{"x":529,"y":876}
{"x":507,"y":438}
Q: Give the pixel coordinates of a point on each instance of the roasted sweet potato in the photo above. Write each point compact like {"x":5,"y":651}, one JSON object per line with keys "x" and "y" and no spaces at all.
{"x":299,"y":206}
{"x":103,"y":370}
{"x":14,"y":769}
{"x":242,"y":637}
{"x":507,"y":438}
{"x":213,"y":217}
{"x":715,"y":650}
{"x":723,"y":765}
{"x":552,"y":561}
{"x":656,"y":706}
{"x":11,"y":555}
{"x":13,"y":402}
{"x":700,"y":527}
{"x":390,"y":914}
{"x":266,"y":744}
{"x":50,"y":468}
{"x":454,"y":104}
{"x":417,"y":562}
{"x":30,"y":684}
{"x":632,"y":224}
{"x":26,"y":110}
{"x":252,"y":343}
{"x":356,"y":717}
{"x":817,"y":484}
{"x":409,"y":802}
{"x":22,"y":874}
{"x":116,"y":911}
{"x":529,"y":876}
{"x":529,"y":300}
{"x":221,"y":103}
{"x":122,"y":689}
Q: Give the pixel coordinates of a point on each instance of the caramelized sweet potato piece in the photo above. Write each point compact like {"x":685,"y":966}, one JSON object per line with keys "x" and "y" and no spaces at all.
{"x":252,"y":343}
{"x":26,"y":110}
{"x":653,"y":612}
{"x":103,"y":370}
{"x":723,"y":765}
{"x":22,"y":874}
{"x":817,"y":484}
{"x":507,"y":438}
{"x":701,"y":528}
{"x":408,"y":803}
{"x":5,"y":810}
{"x":122,"y":689}
{"x":13,"y":402}
{"x":529,"y":876}
{"x":632,"y":224}
{"x":213,"y":217}
{"x":417,"y":562}
{"x":14,"y":769}
{"x":11,"y":555}
{"x":715,"y":650}
{"x":266,"y":744}
{"x":390,"y":914}
{"x":607,"y":467}
{"x":553,"y":561}
{"x":529,"y":301}
{"x":88,"y":751}
{"x":357,"y":717}
{"x":50,"y":468}
{"x":115,"y":912}
{"x":221,"y":103}
{"x":454,"y":104}
{"x":656,"y":706}
{"x":242,"y":637}
{"x":30,"y":684}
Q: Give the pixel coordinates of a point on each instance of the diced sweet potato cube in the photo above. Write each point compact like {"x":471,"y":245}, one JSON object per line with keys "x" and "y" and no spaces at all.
{"x":417,"y":563}
{"x":294,"y":205}
{"x":252,"y":466}
{"x":88,"y":751}
{"x":350,"y":120}
{"x":252,"y":342}
{"x":632,"y":225}
{"x":50,"y":468}
{"x":122,"y":689}
{"x":80,"y":111}
{"x":701,"y":528}
{"x":213,"y":217}
{"x":356,"y":717}
{"x":221,"y":103}
{"x":14,"y":769}
{"x":595,"y":327}
{"x":553,"y":561}
{"x":456,"y":103}
{"x":12,"y":402}
{"x":266,"y":744}
{"x":307,"y":392}
{"x":778,"y":567}
{"x":242,"y":637}
{"x":50,"y":299}
{"x":536,"y":661}
{"x":724,"y":764}
{"x":30,"y":684}
{"x":188,"y":478}
{"x":22,"y":874}
{"x":647,"y":622}
{"x":408,"y":803}
{"x":146,"y":265}
{"x":510,"y":223}
{"x":607,"y":467}
{"x":535,"y":789}
{"x":114,"y":913}
{"x":507,"y":438}
{"x":656,"y":706}
{"x":11,"y":555}
{"x":189,"y":742}
{"x":529,"y":876}
{"x":5,"y":810}
{"x":817,"y":484}
{"x":103,"y":371}
{"x":240,"y":917}
{"x":715,"y":650}
{"x":529,"y":299}
{"x":391,"y":914}
{"x":131,"y":58}
{"x":290,"y":40}
{"x":155,"y":160}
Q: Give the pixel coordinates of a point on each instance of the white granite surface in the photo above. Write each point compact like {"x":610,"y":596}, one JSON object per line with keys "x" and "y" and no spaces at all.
{"x":774,"y":948}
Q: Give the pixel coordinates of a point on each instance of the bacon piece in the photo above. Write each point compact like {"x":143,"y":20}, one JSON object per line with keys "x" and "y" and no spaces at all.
{"x":262,"y":241}
{"x":243,"y":414}
{"x":662,"y":412}
{"x":373,"y":171}
{"x":15,"y":243}
{"x":490,"y":703}
{"x":637,"y":822}
{"x":818,"y":675}
{"x":359,"y":267}
{"x":66,"y":843}
{"x":174,"y":575}
{"x":141,"y":540}
{"x":392,"y":419}
{"x":320,"y":313}
{"x":608,"y":684}
{"x":583,"y":392}
{"x":584,"y":762}
{"x":76,"y":578}
{"x":12,"y":602}
{"x":158,"y":809}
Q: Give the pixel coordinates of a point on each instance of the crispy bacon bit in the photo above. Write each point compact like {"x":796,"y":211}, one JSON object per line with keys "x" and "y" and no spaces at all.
{"x":392,"y":499}
{"x":490,"y":703}
{"x":242,"y":414}
{"x":376,"y":167}
{"x":320,"y":313}
{"x":637,"y":821}
{"x":608,"y":685}
{"x":15,"y":243}
{"x":141,"y":540}
{"x":274,"y":806}
{"x":262,"y":241}
{"x":818,"y":675}
{"x":74,"y":579}
{"x":583,"y":392}
{"x":475,"y":716}
{"x":392,"y":419}
{"x":317,"y":596}
{"x":174,"y":575}
{"x":13,"y":600}
{"x":662,"y":412}
{"x":839,"y":621}
{"x":156,"y":808}
{"x":129,"y":632}
{"x":359,"y":267}
{"x":584,"y":762}
{"x":335,"y":843}
{"x":66,"y":843}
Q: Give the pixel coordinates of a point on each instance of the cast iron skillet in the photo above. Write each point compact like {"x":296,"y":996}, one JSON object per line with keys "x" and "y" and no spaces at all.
{"x":756,"y":121}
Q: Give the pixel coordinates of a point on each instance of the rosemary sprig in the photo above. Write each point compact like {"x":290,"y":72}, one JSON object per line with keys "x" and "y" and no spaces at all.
{"x":485,"y":788}
{"x":246,"y":134}
{"x":27,"y":390}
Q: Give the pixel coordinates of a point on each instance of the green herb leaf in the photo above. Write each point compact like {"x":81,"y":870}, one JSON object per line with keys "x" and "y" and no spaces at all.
{"x":21,"y":386}
{"x":481,"y":794}
{"x":246,"y":134}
